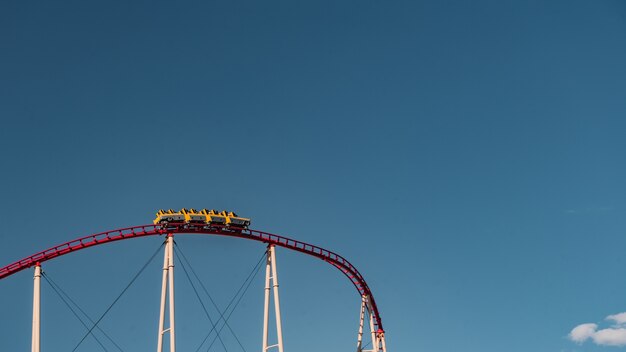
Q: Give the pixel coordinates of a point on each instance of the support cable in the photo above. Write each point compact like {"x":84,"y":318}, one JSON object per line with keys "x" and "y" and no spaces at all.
{"x":212,"y":301}
{"x":56,"y":290}
{"x":248,"y":280}
{"x":119,"y":296}
{"x":251,"y":276}
{"x":206,"y":312}
{"x":47,"y":277}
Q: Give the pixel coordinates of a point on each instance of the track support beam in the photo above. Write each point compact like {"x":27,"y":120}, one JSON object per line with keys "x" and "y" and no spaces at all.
{"x":271,"y":281}
{"x":36,"y":338}
{"x":167,"y":289}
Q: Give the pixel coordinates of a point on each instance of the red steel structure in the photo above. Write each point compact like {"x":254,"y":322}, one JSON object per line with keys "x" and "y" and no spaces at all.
{"x":330,"y":257}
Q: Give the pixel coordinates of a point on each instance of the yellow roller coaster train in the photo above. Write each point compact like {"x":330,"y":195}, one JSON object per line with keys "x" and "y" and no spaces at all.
{"x":202,"y":217}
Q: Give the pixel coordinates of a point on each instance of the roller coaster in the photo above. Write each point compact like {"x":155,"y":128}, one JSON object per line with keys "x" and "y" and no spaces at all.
{"x":219,"y":223}
{"x":203,"y":217}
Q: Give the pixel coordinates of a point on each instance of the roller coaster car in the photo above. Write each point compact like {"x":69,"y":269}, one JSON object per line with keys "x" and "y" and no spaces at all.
{"x":233,"y":220}
{"x":169,"y":215}
{"x":193,"y":216}
{"x":213,"y":217}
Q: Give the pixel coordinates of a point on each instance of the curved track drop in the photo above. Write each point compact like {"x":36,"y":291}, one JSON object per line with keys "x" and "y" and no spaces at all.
{"x":368,"y":304}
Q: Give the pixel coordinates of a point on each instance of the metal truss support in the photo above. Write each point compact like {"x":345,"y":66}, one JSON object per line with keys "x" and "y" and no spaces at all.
{"x":36,"y":339}
{"x":381,"y":340}
{"x":167,"y":289}
{"x":378,"y":336}
{"x":359,"y":342}
{"x":271,"y":280}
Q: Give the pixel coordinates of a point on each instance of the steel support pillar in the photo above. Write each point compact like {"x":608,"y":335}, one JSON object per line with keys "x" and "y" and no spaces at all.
{"x":378,"y":337}
{"x":167,"y":289}
{"x":271,"y":281}
{"x":381,"y":340}
{"x":372,"y":329}
{"x":359,"y":342}
{"x":36,"y":338}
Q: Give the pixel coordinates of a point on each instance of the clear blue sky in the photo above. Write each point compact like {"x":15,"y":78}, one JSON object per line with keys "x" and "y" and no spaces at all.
{"x":467,"y":157}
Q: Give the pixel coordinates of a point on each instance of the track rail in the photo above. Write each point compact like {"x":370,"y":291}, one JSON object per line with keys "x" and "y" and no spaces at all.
{"x":332,"y":258}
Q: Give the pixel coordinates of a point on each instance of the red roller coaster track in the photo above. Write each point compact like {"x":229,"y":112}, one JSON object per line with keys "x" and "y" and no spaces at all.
{"x":151,"y":230}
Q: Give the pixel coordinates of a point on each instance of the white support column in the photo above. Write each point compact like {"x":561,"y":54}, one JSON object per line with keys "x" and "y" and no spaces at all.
{"x":168,"y":277}
{"x":170,"y":270}
{"x":279,"y":326}
{"x":359,"y":342}
{"x":266,"y":306}
{"x":271,"y":280}
{"x":372,"y":330}
{"x":162,"y":306}
{"x":378,"y":337}
{"x":381,"y":338}
{"x":36,"y":337}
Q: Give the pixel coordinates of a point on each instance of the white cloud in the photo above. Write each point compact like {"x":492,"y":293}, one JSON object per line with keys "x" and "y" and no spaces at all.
{"x":613,"y":336}
{"x":618,"y":318}
{"x":610,"y":337}
{"x":583,"y":332}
